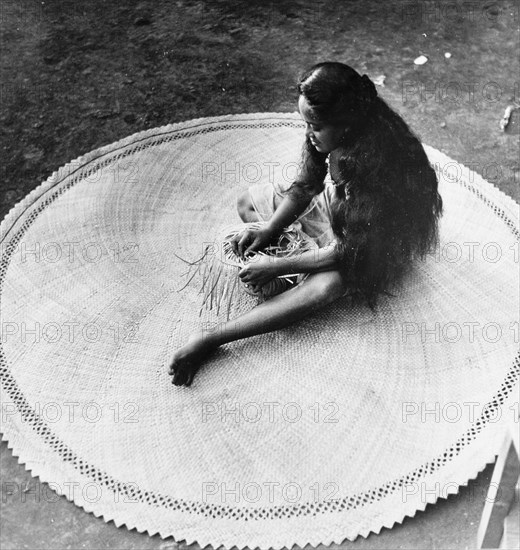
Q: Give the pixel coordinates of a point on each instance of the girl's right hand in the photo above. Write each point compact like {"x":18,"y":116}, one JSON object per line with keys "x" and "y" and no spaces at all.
{"x":250,"y":240}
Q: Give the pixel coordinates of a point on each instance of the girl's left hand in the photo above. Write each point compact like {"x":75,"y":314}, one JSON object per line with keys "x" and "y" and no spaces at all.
{"x":259,"y":271}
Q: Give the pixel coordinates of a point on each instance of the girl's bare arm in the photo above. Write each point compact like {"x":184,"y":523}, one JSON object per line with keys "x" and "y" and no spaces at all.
{"x":262,"y":268}
{"x":290,"y":208}
{"x":312,"y":261}
{"x":287,"y":212}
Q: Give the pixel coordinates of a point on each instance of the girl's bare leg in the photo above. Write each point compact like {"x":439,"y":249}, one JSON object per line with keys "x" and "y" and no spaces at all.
{"x":245,"y":208}
{"x":318,"y":290}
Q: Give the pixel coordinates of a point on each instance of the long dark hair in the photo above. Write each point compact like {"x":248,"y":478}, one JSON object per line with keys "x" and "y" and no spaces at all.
{"x":386,"y":205}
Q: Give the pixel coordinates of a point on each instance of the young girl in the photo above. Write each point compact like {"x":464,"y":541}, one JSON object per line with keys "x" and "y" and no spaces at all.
{"x":379,"y":213}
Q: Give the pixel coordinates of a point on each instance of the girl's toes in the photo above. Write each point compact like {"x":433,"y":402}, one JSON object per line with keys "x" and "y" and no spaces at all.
{"x":177,"y":379}
{"x":183,"y":377}
{"x":174,"y":365}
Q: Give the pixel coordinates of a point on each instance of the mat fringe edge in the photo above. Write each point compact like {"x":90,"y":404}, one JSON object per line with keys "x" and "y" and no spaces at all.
{"x":39,"y":473}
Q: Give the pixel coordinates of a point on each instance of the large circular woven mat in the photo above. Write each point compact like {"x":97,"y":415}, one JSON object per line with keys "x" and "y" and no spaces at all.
{"x":334,"y":427}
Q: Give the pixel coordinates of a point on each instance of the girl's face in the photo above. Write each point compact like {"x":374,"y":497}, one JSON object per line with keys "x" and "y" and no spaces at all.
{"x":325,"y":136}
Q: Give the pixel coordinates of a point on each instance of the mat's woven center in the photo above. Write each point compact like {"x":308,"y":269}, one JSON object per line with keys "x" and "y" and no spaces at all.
{"x":344,"y":410}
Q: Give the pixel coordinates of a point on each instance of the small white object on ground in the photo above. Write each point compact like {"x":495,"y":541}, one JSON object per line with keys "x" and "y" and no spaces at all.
{"x":379,"y":80}
{"x":504,"y":123}
{"x":421,"y":60}
{"x":447,"y":55}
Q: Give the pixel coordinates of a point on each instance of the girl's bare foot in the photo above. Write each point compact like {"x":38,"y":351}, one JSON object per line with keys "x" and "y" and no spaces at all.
{"x":187,"y":360}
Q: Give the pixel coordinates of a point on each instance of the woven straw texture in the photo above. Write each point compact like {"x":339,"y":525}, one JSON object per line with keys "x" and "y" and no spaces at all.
{"x":332,"y":428}
{"x":221,"y":285}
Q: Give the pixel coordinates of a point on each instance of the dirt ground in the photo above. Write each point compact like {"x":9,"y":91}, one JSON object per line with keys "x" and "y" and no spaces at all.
{"x":76,"y":75}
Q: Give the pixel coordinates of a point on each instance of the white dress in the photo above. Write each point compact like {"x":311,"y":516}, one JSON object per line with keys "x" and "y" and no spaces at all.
{"x":315,"y":221}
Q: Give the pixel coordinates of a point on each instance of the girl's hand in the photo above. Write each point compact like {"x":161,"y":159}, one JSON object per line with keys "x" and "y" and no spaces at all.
{"x":259,"y":271}
{"x":251,"y":240}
